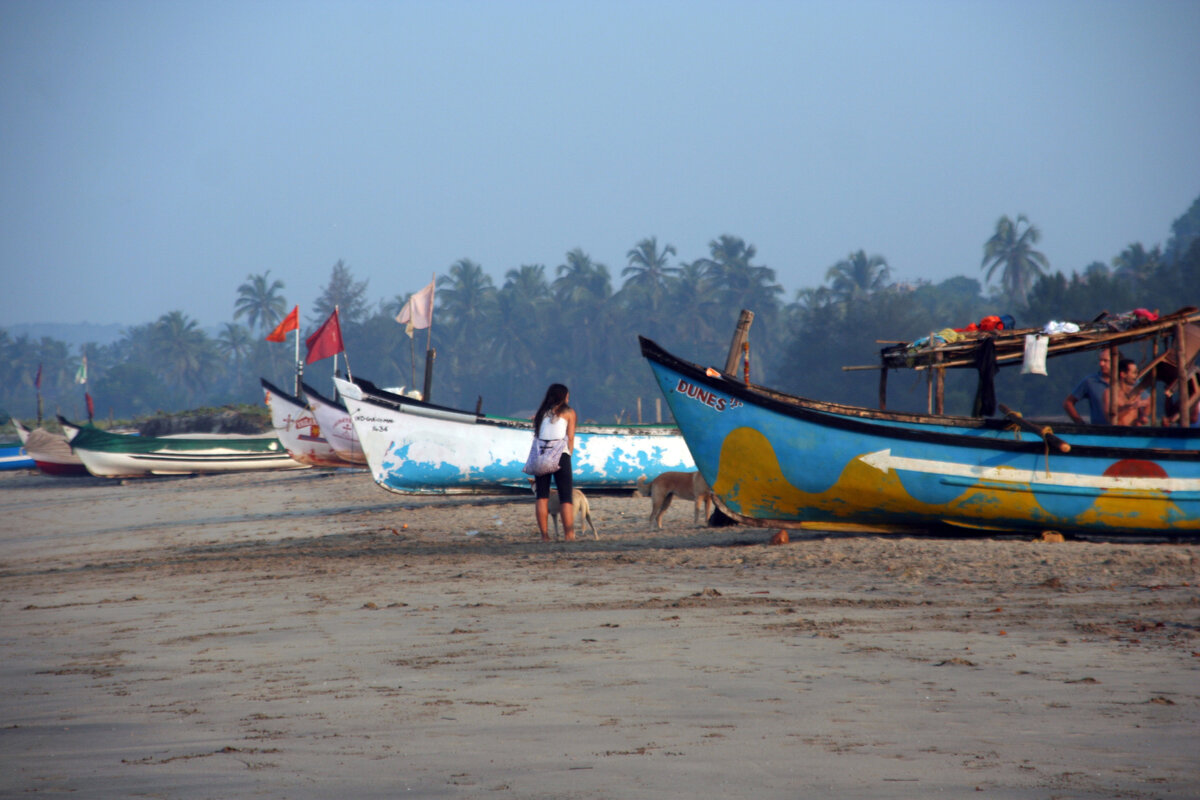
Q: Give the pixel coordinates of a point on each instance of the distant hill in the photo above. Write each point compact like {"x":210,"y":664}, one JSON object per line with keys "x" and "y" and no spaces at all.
{"x":73,"y":333}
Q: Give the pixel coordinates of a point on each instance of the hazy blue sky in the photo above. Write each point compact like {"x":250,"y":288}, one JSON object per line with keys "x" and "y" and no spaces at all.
{"x":153,"y":154}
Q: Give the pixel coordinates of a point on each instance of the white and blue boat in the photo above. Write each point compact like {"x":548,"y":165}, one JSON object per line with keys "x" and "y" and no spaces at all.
{"x":415,"y":447}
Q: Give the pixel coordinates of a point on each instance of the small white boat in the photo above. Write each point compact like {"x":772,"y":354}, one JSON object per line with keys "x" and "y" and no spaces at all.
{"x":334,"y":420}
{"x":50,"y":451}
{"x":298,"y":429}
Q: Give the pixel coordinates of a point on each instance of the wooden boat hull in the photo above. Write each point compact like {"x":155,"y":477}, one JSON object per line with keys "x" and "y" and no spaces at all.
{"x":414,"y":447}
{"x":779,"y":460}
{"x":336,"y":425}
{"x":297,"y":429}
{"x":114,"y":455}
{"x":50,"y":452}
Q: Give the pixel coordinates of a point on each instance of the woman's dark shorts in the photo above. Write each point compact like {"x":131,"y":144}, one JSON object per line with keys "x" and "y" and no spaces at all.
{"x":562,"y":480}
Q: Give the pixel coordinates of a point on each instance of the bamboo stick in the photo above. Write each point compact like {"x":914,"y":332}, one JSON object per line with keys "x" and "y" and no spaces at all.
{"x":1185,"y":408}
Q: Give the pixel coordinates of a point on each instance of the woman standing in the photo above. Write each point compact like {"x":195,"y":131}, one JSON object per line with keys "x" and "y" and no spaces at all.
{"x":556,"y":420}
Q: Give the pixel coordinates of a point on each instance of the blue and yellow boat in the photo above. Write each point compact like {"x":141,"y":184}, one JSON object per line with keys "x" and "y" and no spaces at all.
{"x":778,"y":460}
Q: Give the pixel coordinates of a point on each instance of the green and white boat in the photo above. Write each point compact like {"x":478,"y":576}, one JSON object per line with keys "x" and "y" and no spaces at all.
{"x":117,"y":455}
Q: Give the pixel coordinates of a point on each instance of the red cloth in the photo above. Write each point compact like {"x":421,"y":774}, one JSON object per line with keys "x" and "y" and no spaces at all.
{"x":326,"y":340}
{"x":290,"y":323}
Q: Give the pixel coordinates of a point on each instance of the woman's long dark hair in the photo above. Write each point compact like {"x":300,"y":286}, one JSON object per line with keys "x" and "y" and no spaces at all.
{"x":555,"y":401}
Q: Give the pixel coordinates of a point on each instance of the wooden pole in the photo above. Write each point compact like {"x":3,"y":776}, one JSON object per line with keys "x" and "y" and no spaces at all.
{"x":929,"y":384}
{"x":658,"y":409}
{"x":430,"y":355}
{"x":1154,"y":384}
{"x":740,"y":335}
{"x":1182,"y":388}
{"x":1114,"y":381}
{"x":941,"y":386}
{"x":1041,"y":430}
{"x":883,"y":388}
{"x":639,"y":407}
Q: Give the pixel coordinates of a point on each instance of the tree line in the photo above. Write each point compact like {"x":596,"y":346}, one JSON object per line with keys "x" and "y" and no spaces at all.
{"x":499,"y":344}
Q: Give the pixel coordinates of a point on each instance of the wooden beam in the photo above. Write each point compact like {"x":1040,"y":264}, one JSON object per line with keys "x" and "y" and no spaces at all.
{"x":1184,"y":390}
{"x":740,"y":334}
{"x":1114,"y":381}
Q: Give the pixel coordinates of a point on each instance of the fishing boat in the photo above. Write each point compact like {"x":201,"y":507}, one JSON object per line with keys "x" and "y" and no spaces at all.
{"x":13,"y":456}
{"x":117,"y":455}
{"x":779,"y":460}
{"x":417,"y":447}
{"x":297,"y":429}
{"x":50,"y":452}
{"x":334,"y":421}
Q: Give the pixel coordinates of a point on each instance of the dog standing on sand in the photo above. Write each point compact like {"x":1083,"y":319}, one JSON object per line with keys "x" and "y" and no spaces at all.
{"x":688,"y":485}
{"x":582,"y":511}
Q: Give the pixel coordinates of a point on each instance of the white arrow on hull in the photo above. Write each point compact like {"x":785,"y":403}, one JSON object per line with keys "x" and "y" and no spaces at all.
{"x":883,"y":460}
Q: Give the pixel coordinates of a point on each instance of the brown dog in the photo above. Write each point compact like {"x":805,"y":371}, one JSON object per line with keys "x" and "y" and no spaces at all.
{"x":582,"y":511}
{"x":688,"y":485}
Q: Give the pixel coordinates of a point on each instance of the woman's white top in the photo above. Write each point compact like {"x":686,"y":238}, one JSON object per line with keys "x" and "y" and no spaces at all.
{"x":553,"y":428}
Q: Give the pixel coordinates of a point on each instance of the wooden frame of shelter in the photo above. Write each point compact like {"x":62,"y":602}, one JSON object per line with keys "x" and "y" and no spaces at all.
{"x":1178,"y":332}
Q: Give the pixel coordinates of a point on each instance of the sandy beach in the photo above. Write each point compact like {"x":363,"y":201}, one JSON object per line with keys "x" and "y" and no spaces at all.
{"x":307,"y":634}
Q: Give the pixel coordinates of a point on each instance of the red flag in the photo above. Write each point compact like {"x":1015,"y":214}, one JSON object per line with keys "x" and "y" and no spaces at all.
{"x":37,"y":382}
{"x":326,"y":341}
{"x":91,"y":407}
{"x":290,"y":323}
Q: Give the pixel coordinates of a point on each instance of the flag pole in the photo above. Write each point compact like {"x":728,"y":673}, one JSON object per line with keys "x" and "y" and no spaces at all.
{"x":346,"y":353}
{"x":37,"y":385}
{"x":412,"y":359}
{"x":299,"y":364}
{"x":335,"y":355}
{"x":429,"y":353}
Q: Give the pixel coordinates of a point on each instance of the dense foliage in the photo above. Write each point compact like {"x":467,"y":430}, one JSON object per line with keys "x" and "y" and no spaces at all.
{"x":499,"y":344}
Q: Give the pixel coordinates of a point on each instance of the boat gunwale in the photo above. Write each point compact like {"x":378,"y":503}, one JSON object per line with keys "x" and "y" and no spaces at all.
{"x":860,"y":419}
{"x":394,"y":402}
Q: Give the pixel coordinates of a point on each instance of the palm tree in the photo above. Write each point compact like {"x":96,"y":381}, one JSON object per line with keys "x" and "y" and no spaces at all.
{"x":857,"y":276}
{"x":466,"y":301}
{"x":260,"y":302}
{"x":529,"y":282}
{"x":1011,"y":250}
{"x":235,"y":343}
{"x":648,"y":270}
{"x":740,"y":283}
{"x":581,"y":280}
{"x":1136,"y":264}
{"x":184,"y":351}
{"x":466,"y":295}
{"x":583,"y":289}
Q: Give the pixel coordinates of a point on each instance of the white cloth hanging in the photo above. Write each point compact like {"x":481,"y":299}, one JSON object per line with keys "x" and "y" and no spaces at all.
{"x":1035,"y":354}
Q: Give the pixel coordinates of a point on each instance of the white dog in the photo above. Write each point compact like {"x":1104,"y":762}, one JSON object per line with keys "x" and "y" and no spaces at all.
{"x":688,"y":485}
{"x":582,"y":511}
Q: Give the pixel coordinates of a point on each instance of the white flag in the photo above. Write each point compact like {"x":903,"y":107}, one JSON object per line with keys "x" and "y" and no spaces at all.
{"x":417,"y":313}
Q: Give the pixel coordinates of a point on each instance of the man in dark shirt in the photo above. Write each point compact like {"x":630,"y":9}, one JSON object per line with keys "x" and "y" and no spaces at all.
{"x":1092,"y":388}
